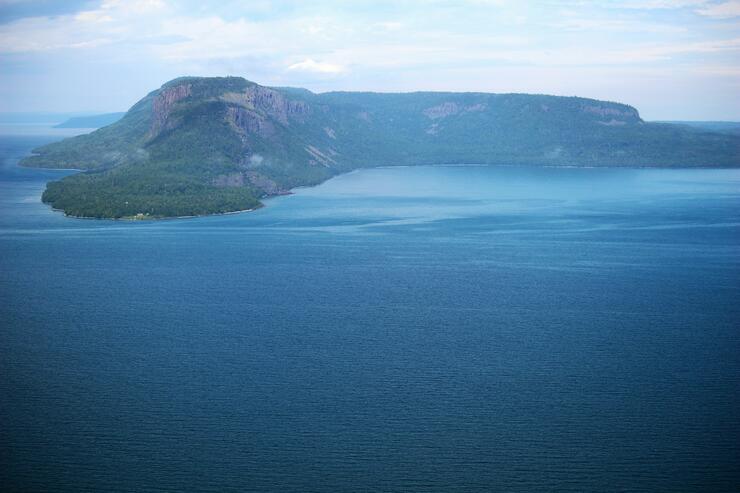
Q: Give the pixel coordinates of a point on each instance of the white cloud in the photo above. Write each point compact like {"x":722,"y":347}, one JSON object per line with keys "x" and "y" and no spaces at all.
{"x":93,"y":16}
{"x":598,"y":56}
{"x":616,"y":25}
{"x":38,"y":34}
{"x":655,"y":4}
{"x":133,"y":7}
{"x":416,"y":43}
{"x":389,"y":25}
{"x":113,"y":21}
{"x":311,"y":65}
{"x":723,"y":10}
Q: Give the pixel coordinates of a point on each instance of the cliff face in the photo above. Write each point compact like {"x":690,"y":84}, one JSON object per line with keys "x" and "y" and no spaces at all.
{"x":277,"y":105}
{"x":163,"y":103}
{"x":248,"y":122}
{"x":200,"y":145}
{"x":613,"y":114}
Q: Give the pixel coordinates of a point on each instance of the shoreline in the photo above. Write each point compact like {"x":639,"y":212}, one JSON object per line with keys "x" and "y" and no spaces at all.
{"x":150,"y":219}
{"x":292,"y":190}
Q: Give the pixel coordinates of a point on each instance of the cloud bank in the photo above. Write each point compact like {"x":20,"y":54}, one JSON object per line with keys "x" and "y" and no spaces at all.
{"x":656,"y":54}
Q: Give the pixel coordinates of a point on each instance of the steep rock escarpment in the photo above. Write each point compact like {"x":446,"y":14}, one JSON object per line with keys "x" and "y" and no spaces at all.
{"x":163,"y":103}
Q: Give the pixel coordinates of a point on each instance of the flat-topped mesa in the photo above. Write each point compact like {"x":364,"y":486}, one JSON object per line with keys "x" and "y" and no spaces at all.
{"x":201,"y":145}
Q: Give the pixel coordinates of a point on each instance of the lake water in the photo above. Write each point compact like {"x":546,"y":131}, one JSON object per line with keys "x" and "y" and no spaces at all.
{"x":405,"y":329}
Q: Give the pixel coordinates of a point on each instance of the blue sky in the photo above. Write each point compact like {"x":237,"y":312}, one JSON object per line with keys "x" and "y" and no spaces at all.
{"x":672,"y":59}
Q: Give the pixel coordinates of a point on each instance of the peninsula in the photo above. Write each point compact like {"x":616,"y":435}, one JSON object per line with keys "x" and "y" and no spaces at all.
{"x":200,"y":146}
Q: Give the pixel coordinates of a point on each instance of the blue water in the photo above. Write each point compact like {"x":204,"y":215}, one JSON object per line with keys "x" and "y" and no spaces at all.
{"x":406,"y":329}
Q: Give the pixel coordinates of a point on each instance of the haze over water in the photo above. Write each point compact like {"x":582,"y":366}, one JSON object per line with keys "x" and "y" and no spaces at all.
{"x":404,"y":329}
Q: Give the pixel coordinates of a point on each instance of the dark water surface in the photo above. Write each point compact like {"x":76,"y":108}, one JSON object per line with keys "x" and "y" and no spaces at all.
{"x":410,"y":329}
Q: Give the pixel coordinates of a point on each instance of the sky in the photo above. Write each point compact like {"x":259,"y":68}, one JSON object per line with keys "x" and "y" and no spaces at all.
{"x":671,"y":59}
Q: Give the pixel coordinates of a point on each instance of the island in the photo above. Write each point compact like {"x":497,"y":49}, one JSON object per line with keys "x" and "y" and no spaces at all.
{"x":210,"y":145}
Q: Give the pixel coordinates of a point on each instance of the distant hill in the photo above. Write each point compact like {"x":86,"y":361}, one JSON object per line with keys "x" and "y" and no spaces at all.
{"x":91,"y":121}
{"x":213,"y":145}
{"x":731,"y":128}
